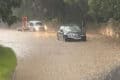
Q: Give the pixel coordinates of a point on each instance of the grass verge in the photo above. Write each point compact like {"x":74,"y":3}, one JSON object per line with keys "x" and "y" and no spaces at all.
{"x":8,"y":63}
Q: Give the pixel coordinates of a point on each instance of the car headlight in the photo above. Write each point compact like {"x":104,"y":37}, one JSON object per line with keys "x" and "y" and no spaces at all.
{"x":46,"y":28}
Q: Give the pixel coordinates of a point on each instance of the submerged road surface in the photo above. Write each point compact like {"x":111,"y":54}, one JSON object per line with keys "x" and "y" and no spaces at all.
{"x":42,"y":57}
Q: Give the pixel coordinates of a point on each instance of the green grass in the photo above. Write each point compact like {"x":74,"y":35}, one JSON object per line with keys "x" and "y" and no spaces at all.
{"x":8,"y":63}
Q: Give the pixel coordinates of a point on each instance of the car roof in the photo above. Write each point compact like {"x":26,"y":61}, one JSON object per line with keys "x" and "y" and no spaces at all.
{"x":69,"y":25}
{"x":35,"y":21}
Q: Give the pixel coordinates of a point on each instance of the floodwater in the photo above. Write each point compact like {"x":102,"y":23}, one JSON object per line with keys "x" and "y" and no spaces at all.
{"x":42,"y":57}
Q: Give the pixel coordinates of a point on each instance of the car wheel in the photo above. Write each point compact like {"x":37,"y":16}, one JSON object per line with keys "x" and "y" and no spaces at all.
{"x":64,"y":38}
{"x":84,"y":38}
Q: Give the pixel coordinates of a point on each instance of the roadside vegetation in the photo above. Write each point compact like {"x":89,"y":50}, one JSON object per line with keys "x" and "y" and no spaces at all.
{"x":6,"y":10}
{"x":65,"y":11}
{"x":8,"y":63}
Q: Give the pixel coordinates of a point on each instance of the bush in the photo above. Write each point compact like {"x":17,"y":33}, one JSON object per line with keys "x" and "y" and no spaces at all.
{"x":8,"y":63}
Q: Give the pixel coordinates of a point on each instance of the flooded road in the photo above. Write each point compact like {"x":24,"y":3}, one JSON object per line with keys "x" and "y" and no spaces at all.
{"x":42,"y":57}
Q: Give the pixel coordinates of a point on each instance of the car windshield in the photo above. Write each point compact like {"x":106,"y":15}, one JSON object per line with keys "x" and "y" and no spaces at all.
{"x":38,"y":24}
{"x":31,"y":24}
{"x":72,"y":29}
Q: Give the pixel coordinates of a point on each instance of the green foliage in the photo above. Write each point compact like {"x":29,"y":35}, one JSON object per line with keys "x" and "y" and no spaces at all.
{"x":105,"y":9}
{"x":63,"y":10}
{"x":76,"y":11}
{"x":6,"y":9}
{"x":7,"y":63}
{"x":71,"y":1}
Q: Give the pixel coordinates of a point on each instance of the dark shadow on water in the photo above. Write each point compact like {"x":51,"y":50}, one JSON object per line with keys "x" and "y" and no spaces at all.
{"x":114,"y":74}
{"x":76,"y":40}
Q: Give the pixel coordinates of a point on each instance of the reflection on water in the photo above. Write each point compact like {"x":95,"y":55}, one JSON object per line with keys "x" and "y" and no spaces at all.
{"x":44,"y":34}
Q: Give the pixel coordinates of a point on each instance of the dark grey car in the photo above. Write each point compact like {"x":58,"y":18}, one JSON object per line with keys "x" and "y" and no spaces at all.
{"x":71,"y":32}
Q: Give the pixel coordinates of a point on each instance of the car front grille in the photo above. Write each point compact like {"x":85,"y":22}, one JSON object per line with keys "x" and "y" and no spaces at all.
{"x":73,"y":35}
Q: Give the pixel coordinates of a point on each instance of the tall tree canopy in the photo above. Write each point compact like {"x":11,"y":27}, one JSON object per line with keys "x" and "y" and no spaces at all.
{"x":63,"y":10}
{"x":6,"y":10}
{"x":76,"y":10}
{"x":102,"y":10}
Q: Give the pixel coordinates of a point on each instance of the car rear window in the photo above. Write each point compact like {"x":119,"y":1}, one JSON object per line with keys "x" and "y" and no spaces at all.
{"x":39,"y":23}
{"x":31,"y":24}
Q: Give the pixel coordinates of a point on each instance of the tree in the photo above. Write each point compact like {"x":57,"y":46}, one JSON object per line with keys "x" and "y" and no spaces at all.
{"x":6,"y":10}
{"x":62,"y":10}
{"x":48,"y":9}
{"x":76,"y":10}
{"x":105,"y":9}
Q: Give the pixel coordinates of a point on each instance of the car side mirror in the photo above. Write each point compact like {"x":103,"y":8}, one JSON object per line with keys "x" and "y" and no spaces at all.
{"x":60,"y":31}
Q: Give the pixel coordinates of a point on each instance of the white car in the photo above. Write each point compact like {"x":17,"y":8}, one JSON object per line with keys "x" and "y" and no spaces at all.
{"x":36,"y":26}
